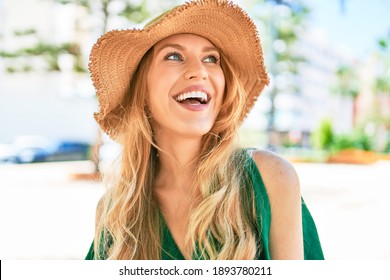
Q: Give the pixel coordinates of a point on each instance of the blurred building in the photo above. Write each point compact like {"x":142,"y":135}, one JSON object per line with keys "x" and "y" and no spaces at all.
{"x":373,"y":105}
{"x":317,"y":76}
{"x":298,"y":113}
{"x":34,"y":101}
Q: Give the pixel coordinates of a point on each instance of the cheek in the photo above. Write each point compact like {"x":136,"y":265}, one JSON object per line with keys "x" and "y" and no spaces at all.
{"x":154,"y":87}
{"x":160,"y":81}
{"x":220,"y":84}
{"x":157,"y":99}
{"x":154,"y":104}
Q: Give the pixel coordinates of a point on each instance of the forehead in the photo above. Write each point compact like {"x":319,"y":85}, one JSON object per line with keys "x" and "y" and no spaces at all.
{"x":184,"y":39}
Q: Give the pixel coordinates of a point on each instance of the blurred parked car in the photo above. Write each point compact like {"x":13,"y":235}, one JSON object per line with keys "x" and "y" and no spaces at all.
{"x":7,"y":153}
{"x":31,"y":148}
{"x":28,"y":149}
{"x":69,"y":150}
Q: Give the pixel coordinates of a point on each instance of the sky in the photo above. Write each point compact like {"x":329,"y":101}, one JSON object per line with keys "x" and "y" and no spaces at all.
{"x":358,"y":26}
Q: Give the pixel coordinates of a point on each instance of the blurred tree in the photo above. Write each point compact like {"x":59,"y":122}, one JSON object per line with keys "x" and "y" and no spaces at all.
{"x":48,"y":51}
{"x":347,"y":85}
{"x":381,"y":88}
{"x":375,"y":123}
{"x":382,"y":81}
{"x":101,"y":9}
{"x":133,"y":12}
{"x":284,"y":21}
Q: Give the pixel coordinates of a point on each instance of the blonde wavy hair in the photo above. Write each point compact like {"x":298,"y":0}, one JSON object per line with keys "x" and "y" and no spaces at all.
{"x":222,"y":225}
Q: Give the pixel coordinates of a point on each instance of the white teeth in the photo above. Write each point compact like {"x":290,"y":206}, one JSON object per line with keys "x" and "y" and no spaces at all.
{"x":192,"y":94}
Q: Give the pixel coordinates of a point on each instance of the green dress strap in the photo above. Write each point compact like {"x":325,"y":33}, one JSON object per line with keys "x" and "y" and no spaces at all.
{"x":263,"y":208}
{"x":311,"y":241}
{"x":91,"y":253}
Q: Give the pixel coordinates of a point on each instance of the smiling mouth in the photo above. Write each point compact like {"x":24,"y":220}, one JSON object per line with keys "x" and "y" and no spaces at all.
{"x":193,"y":98}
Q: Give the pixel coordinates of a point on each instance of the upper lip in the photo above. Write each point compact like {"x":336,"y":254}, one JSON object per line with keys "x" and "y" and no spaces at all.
{"x":193,"y":88}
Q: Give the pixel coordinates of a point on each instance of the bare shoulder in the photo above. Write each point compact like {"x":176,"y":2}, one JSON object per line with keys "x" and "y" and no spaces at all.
{"x":278,"y":174}
{"x":282,"y":185}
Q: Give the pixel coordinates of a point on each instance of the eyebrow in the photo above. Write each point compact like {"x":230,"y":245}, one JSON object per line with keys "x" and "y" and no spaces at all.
{"x":182,"y":48}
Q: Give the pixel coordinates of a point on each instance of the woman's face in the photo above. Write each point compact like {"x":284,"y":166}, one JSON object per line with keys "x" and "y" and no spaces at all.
{"x":186,"y":85}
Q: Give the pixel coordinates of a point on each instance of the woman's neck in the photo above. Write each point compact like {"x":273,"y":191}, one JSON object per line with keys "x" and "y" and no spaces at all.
{"x":177,"y":160}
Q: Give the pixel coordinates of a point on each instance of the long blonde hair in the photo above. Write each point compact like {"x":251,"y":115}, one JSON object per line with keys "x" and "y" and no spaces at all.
{"x":221,"y":226}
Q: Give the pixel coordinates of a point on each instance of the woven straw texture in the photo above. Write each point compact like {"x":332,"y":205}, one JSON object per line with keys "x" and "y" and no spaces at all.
{"x":116,"y":54}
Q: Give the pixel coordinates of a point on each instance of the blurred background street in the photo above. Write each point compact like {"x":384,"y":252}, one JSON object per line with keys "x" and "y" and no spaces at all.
{"x":44,"y":213}
{"x":327,"y":110}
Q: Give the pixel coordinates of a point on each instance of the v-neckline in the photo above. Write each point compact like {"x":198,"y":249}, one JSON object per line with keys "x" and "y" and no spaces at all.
{"x":169,"y":246}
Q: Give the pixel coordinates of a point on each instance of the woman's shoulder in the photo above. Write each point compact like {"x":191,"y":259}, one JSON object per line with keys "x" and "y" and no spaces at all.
{"x":282,"y":186}
{"x":278,"y":174}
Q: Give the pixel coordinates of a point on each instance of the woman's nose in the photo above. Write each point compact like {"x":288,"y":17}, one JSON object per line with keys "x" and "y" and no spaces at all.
{"x":195,"y":70}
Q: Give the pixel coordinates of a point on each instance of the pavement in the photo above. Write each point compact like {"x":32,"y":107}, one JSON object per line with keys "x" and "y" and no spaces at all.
{"x":351,"y":207}
{"x":45,"y":213}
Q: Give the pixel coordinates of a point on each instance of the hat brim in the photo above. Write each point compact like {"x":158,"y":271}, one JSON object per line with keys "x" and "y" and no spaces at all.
{"x":115,"y":56}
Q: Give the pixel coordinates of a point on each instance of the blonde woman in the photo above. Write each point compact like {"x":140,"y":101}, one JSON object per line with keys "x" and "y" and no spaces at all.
{"x":173,"y":95}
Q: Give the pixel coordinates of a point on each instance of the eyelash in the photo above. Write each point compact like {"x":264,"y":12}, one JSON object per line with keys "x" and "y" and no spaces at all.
{"x":172,"y":54}
{"x":167,"y":57}
{"x":215,"y":57}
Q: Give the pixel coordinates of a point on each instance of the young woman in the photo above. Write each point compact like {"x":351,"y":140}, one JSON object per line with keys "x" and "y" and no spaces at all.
{"x":173,"y":95}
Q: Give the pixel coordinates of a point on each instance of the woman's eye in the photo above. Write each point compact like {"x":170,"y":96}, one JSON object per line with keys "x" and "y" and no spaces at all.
{"x":173,"y":56}
{"x":211,"y":59}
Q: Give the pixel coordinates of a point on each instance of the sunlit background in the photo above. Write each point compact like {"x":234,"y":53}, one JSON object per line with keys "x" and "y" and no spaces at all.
{"x":327,"y":110}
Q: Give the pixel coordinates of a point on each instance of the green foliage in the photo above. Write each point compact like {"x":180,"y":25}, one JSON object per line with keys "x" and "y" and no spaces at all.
{"x":49,"y":52}
{"x":78,"y":65}
{"x":382,"y":80}
{"x":42,"y":48}
{"x":323,"y":137}
{"x":8,"y":54}
{"x":356,"y":140}
{"x":383,"y":44}
{"x":27,"y":68}
{"x":288,"y":24}
{"x":382,"y":84}
{"x":387,"y":147}
{"x":135,"y":13}
{"x":25,"y":32}
{"x":10,"y":69}
{"x":84,"y":3}
{"x":347,"y":82}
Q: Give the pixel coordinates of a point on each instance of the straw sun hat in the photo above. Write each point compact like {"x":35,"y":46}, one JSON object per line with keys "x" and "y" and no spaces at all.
{"x":115,"y":56}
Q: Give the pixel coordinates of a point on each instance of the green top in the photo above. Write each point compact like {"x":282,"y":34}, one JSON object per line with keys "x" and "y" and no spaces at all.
{"x":312,"y":245}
